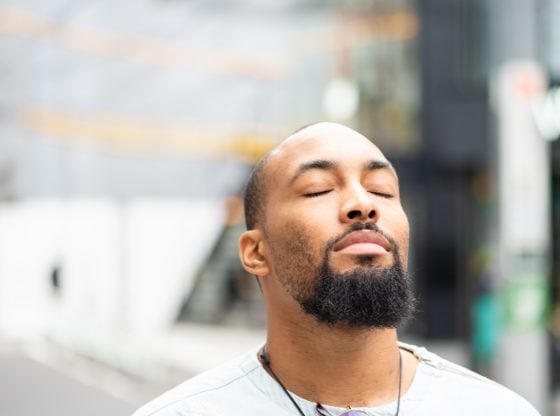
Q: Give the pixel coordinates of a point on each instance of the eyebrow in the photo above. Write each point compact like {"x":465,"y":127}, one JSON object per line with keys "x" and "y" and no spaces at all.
{"x":379,"y":164}
{"x":331,"y":165}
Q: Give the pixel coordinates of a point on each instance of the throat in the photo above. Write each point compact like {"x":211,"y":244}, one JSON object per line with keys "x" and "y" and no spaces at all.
{"x":362,"y":374}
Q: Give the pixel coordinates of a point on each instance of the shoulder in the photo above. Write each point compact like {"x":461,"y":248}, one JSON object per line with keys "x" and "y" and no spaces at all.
{"x":202,"y":394}
{"x":461,"y":387}
{"x":435,"y":361}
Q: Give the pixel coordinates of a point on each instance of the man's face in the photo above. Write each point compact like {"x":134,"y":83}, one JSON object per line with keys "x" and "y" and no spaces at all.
{"x":335,"y":228}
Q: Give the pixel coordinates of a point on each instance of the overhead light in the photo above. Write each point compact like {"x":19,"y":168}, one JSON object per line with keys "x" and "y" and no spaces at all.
{"x":341,"y":99}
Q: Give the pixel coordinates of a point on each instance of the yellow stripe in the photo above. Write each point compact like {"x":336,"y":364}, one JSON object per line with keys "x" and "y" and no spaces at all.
{"x":139,"y":137}
{"x":356,"y":32}
{"x":349,"y":33}
{"x":141,"y":50}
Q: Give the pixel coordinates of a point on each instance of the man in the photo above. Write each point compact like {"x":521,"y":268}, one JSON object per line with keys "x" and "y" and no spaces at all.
{"x":327,"y":239}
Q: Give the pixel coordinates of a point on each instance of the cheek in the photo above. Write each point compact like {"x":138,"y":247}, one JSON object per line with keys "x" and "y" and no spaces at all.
{"x":402,"y":237}
{"x":292,"y":261}
{"x":294,"y":232}
{"x":290,"y":243}
{"x":395,"y":223}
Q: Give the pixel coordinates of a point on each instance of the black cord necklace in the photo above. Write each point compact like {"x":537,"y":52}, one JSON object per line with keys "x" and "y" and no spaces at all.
{"x":263,"y":357}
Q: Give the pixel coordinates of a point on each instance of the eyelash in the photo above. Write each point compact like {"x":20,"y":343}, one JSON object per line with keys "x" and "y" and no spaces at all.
{"x":316,"y":194}
{"x":382,"y":195}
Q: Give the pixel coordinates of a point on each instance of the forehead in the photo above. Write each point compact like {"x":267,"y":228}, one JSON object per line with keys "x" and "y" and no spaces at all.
{"x":335,"y":143}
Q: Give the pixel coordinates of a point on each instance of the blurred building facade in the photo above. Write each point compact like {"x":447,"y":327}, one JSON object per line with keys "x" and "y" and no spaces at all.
{"x":127,"y":131}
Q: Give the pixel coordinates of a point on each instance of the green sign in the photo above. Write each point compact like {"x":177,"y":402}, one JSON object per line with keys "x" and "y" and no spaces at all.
{"x":525,"y":303}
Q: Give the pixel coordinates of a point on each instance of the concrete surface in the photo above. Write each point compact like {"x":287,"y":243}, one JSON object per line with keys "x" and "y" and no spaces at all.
{"x":28,"y":387}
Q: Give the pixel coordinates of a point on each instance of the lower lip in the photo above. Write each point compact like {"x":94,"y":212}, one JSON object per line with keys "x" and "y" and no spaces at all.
{"x":363,"y":249}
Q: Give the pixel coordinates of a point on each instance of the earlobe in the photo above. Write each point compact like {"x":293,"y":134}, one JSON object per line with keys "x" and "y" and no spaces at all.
{"x":251,"y":253}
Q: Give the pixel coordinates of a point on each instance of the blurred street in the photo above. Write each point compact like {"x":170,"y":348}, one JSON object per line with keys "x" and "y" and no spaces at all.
{"x":44,"y":378}
{"x":28,"y":387}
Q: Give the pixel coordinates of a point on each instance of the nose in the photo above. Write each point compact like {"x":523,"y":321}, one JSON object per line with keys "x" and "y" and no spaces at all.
{"x":359,"y":205}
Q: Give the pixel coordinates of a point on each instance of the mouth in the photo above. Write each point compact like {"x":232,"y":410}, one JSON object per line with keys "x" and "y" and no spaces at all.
{"x":363,"y":242}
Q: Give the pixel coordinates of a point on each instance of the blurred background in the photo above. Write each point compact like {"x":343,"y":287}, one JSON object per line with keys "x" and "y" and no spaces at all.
{"x":128,"y":129}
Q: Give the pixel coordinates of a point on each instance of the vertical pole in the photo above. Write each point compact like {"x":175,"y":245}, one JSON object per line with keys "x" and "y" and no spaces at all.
{"x":523,"y":238}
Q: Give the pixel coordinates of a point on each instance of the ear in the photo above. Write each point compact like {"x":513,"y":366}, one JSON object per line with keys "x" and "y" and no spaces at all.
{"x":252,"y":253}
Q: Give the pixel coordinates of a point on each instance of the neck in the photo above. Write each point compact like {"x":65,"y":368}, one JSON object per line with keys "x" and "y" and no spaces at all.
{"x":338,"y":366}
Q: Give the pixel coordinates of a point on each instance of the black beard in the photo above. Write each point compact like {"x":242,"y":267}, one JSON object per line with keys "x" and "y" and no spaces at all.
{"x":366,"y":296}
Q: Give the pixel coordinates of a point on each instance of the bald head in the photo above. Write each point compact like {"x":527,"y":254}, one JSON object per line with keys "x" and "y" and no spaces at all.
{"x":315,"y":134}
{"x":304,"y":139}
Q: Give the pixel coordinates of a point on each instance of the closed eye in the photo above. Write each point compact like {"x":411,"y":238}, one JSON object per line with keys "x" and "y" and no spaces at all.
{"x":381,"y":194}
{"x":316,"y":194}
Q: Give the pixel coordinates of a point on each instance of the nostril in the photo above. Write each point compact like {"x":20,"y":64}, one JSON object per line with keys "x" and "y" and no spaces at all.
{"x":353,"y":214}
{"x":371,"y":214}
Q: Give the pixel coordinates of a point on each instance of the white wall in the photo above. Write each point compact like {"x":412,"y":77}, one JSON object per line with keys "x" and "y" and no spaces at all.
{"x":124,"y":266}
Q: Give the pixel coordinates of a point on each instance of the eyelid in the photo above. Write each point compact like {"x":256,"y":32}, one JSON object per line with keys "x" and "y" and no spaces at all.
{"x":316,"y":194}
{"x":382,"y":194}
{"x":382,"y":190}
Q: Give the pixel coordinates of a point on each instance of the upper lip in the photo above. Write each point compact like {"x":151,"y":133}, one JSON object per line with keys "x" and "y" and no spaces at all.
{"x":363,"y":236}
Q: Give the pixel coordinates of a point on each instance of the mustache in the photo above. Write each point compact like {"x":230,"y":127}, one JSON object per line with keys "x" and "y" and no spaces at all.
{"x":359,"y":226}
